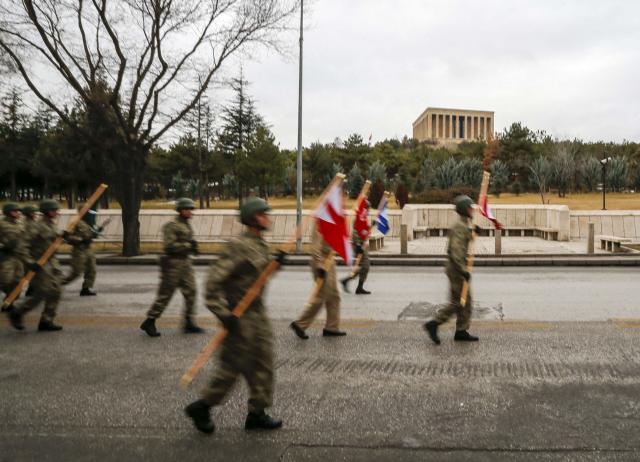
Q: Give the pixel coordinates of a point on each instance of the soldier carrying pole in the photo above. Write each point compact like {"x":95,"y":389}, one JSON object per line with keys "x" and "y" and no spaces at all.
{"x":237,"y":280}
{"x":44,"y":269}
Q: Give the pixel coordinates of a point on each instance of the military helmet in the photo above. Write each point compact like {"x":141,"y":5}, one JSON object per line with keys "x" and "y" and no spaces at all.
{"x":185,"y":203}
{"x":47,"y":205}
{"x":250,"y":208}
{"x":10,"y":207}
{"x":462,"y":203}
{"x":29,"y":209}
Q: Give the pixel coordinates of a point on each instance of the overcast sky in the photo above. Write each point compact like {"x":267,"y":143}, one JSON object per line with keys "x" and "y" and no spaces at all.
{"x":372,"y":66}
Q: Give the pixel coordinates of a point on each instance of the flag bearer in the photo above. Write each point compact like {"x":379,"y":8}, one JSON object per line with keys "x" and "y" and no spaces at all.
{"x":460,"y":236}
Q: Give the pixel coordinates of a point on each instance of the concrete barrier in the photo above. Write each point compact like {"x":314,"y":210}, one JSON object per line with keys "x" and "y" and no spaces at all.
{"x":621,"y":223}
{"x":518,"y":219}
{"x":219,"y":225}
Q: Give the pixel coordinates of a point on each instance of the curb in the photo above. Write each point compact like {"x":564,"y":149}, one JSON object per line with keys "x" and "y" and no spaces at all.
{"x":411,"y":260}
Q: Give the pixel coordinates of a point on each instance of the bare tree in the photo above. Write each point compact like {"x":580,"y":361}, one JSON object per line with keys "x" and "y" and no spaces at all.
{"x":142,"y":64}
{"x":541,"y":174}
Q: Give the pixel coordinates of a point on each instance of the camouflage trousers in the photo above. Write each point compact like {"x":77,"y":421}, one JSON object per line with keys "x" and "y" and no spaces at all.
{"x":175,"y":273}
{"x":254,"y":362}
{"x":363,"y":265}
{"x":45,"y":287}
{"x":11,"y":271}
{"x":83,"y":261}
{"x":463,"y":313}
{"x":328,"y":296}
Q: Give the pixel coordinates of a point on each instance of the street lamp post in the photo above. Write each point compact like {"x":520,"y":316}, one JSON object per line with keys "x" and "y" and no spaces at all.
{"x":299,"y":158}
{"x":604,"y":161}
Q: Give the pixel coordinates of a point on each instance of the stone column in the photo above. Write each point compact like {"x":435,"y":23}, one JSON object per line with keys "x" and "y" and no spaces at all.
{"x":429,"y":117}
{"x":437,"y":125}
{"x":456,"y":126}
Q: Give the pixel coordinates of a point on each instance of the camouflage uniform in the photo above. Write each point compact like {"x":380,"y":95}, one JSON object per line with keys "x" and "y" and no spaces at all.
{"x":83,"y":261}
{"x":13,"y":254}
{"x":249,"y":351}
{"x":176,"y":268}
{"x":459,"y":238}
{"x":328,"y":295}
{"x":364,"y":264}
{"x":46,"y":285}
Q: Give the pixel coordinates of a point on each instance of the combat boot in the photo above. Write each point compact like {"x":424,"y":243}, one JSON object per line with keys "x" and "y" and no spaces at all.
{"x":432,"y":329}
{"x":191,"y":328}
{"x":149,"y":326}
{"x":333,"y":333}
{"x":261,"y":421}
{"x":464,"y":336}
{"x":361,"y":290}
{"x":345,"y":283}
{"x":199,"y":413}
{"x":86,"y":292}
{"x":15,"y":318}
{"x":48,"y":326}
{"x":298,"y":330}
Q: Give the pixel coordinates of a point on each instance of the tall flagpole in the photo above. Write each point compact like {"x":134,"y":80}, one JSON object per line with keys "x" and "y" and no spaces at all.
{"x":299,"y":159}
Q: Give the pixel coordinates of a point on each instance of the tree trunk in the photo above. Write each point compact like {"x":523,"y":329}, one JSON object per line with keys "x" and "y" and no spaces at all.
{"x":14,"y":187}
{"x":129,"y":182}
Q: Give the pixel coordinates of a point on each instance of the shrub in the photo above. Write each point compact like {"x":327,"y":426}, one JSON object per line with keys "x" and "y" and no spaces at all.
{"x":443,"y":196}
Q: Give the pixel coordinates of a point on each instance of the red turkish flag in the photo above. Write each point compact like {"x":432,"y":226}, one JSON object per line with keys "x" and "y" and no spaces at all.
{"x":331,"y":223}
{"x":361,"y":223}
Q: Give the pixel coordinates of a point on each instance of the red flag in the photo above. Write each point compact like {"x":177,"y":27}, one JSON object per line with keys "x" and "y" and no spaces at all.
{"x":331,"y":223}
{"x":361,"y":223}
{"x":486,"y":212}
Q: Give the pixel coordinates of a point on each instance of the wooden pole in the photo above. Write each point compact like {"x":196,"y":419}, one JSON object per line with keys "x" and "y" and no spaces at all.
{"x":252,"y":292}
{"x":484,"y":187}
{"x":54,"y":246}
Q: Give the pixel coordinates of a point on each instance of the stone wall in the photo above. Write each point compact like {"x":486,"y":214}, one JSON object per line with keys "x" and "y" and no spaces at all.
{"x":441,"y":216}
{"x":218,"y":225}
{"x":212,"y":225}
{"x":621,"y":223}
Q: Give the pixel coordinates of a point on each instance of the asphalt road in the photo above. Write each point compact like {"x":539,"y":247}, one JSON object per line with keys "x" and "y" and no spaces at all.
{"x":534,"y":293}
{"x":537,"y":389}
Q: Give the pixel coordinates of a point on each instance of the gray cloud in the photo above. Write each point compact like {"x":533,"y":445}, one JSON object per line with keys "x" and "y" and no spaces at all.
{"x":372,"y":66}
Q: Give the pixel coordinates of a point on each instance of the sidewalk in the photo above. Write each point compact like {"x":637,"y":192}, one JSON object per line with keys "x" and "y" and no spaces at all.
{"x":516,"y":251}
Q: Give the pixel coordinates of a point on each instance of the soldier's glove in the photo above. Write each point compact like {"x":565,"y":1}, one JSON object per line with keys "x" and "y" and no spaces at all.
{"x":281,"y":257}
{"x":65,"y":235}
{"x":194,"y":247}
{"x":35,"y":267}
{"x":321,"y":273}
{"x":477,"y":229}
{"x":466,"y":275}
{"x":231,"y":323}
{"x":359,"y":249}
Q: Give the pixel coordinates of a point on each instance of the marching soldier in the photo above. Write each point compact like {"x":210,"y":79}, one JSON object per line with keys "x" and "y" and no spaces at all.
{"x":83,"y":261}
{"x":176,"y":270}
{"x":362,"y":259}
{"x":30,"y":215}
{"x":460,"y":236}
{"x":248,"y":349}
{"x":328,"y":294}
{"x":46,"y":286}
{"x":13,"y":254}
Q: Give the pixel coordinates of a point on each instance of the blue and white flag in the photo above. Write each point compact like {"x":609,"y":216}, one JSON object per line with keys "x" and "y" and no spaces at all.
{"x":382,"y":222}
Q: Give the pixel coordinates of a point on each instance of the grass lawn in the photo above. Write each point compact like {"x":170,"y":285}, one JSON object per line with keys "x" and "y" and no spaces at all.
{"x":587,"y":201}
